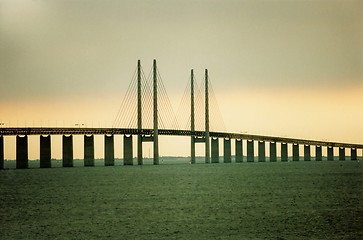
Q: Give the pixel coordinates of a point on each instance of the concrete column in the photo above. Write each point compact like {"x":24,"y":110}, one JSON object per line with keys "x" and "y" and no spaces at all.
{"x":318,"y":153}
{"x":250,"y":151}
{"x":67,"y":151}
{"x":261,"y":151}
{"x":330,"y":153}
{"x":215,"y":150}
{"x":192,"y":149}
{"x":45,"y":152}
{"x":140,"y":161}
{"x":22,"y":152}
{"x":239,"y":152}
{"x":128,"y":158}
{"x":341,"y":153}
{"x":109,"y":151}
{"x":2,"y":165}
{"x":295,"y":152}
{"x":207,"y":149}
{"x":273,"y":155}
{"x":89,"y":151}
{"x":307,"y":155}
{"x":227,"y":150}
{"x":284,"y":155}
{"x":353,"y":154}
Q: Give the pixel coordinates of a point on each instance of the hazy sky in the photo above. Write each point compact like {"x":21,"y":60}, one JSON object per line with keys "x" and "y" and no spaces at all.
{"x":287,"y":68}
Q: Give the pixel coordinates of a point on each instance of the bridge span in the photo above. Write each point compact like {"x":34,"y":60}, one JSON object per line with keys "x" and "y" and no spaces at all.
{"x":168,"y":132}
{"x":207,"y":137}
{"x":45,"y":134}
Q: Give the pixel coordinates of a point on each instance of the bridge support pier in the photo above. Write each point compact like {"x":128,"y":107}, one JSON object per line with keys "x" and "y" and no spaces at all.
{"x":353,"y":154}
{"x":261,"y":151}
{"x":318,"y":153}
{"x":139,"y":149}
{"x":341,"y":154}
{"x":89,"y":152}
{"x":239,"y":152}
{"x":215,"y":150}
{"x":227,"y":150}
{"x":128,"y":157}
{"x":273,"y":155}
{"x":67,"y":151}
{"x":330,"y":153}
{"x":21,"y":152}
{"x":2,"y":165}
{"x":284,"y":155}
{"x":295,"y":152}
{"x":45,"y":152}
{"x":192,"y":149}
{"x":109,"y":151}
{"x":207,"y":149}
{"x":250,"y":151}
{"x":307,"y":155}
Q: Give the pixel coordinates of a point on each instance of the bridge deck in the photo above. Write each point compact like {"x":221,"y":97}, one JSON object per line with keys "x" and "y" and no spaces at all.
{"x":170,"y":132}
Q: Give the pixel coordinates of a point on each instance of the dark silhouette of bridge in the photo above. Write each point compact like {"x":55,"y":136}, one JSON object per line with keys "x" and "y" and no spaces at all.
{"x":207,"y":137}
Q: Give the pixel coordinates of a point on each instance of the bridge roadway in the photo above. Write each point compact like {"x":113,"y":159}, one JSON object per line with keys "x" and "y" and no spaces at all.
{"x":169,"y":132}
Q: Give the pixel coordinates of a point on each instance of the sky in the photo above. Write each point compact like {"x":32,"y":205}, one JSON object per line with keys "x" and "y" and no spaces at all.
{"x":284,"y":68}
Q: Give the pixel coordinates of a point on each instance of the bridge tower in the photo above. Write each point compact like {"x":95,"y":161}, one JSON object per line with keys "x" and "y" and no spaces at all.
{"x":195,"y":139}
{"x":140,"y":136}
{"x":156,"y":129}
{"x":207,"y":145}
{"x":139,"y":115}
{"x":192,"y":118}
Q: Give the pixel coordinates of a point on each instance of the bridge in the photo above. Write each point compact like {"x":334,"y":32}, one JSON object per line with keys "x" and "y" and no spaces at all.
{"x":151,"y":134}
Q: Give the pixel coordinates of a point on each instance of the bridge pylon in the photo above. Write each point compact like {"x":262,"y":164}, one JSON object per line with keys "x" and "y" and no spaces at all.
{"x":207,"y":144}
{"x":139,"y":115}
{"x":206,"y":138}
{"x":140,"y":135}
{"x":192,"y":119}
{"x":156,"y":126}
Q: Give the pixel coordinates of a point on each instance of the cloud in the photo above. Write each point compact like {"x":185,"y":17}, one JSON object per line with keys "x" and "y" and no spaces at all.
{"x":58,"y":48}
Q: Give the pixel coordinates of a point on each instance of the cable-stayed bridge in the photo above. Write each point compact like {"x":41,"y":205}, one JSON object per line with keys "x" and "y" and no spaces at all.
{"x":146,"y":112}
